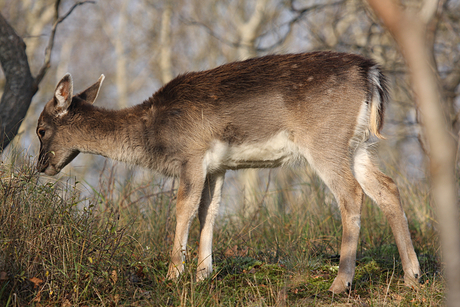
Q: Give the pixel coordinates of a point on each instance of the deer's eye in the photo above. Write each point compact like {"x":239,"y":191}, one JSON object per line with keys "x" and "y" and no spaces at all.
{"x":41,"y":132}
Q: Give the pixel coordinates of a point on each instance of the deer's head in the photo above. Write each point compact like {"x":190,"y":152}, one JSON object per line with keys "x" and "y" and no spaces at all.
{"x":57,"y":122}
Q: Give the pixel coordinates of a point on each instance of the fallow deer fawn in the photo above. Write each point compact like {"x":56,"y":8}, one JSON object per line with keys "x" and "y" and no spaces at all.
{"x":324,"y":108}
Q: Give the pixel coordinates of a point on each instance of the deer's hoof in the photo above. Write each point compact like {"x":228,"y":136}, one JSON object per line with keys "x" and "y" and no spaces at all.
{"x":202,"y":274}
{"x":173,"y":273}
{"x":340,"y":285}
{"x":412,"y":281}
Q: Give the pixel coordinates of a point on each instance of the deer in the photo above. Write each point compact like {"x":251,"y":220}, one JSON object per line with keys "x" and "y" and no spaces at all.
{"x":323,"y":108}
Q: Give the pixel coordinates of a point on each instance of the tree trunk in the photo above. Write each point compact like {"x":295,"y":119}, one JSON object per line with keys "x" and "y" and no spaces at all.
{"x":410,"y":32}
{"x":20,"y":86}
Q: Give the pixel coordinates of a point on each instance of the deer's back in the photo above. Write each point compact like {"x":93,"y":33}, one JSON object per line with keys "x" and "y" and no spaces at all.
{"x":311,"y":98}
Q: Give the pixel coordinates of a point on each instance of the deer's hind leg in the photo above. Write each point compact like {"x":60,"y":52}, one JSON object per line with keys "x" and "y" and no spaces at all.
{"x":335,"y":170}
{"x":384,"y":192}
{"x":349,"y":196}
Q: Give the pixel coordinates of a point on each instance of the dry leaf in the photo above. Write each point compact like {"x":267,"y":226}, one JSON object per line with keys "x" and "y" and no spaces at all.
{"x":398,"y":297}
{"x":231,"y":252}
{"x":114,"y":277}
{"x":116,"y":298}
{"x":234,"y":252}
{"x":3,"y":276}
{"x":38,"y":297}
{"x":36,"y":281}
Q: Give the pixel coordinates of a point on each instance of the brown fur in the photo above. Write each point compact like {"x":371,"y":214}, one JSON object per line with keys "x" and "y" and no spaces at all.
{"x":318,"y":107}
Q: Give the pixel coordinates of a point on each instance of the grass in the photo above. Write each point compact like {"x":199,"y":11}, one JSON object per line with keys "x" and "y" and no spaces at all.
{"x":112,"y":249}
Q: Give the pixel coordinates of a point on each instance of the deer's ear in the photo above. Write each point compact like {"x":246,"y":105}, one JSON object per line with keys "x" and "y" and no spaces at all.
{"x":91,"y":93}
{"x":63,"y":94}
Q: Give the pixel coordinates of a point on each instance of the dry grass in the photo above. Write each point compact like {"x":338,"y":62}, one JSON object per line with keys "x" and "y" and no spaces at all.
{"x":112,"y":249}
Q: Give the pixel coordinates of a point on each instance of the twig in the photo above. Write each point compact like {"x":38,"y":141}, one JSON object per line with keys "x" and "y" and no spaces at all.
{"x":389,"y":283}
{"x":46,"y":65}
{"x":300,"y":13}
{"x":210,"y":31}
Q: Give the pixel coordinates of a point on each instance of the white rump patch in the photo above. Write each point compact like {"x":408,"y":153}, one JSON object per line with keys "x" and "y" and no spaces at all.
{"x":361,"y":164}
{"x":361,"y":133}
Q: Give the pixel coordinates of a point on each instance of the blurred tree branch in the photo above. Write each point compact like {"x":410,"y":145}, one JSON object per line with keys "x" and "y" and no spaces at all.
{"x":256,"y":19}
{"x":249,"y":30}
{"x":117,"y":36}
{"x":20,"y":85}
{"x":165,"y":45}
{"x":412,"y":32}
{"x":49,"y":48}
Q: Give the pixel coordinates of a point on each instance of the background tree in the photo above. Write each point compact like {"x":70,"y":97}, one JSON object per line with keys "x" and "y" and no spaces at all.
{"x":20,"y":86}
{"x":411,"y":30}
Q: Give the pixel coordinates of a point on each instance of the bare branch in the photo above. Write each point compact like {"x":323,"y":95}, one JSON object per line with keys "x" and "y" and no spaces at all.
{"x":210,"y":31}
{"x":49,"y":48}
{"x":299,"y":14}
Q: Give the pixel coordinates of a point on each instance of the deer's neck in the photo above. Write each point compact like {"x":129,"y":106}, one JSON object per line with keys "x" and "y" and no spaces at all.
{"x":115,"y":134}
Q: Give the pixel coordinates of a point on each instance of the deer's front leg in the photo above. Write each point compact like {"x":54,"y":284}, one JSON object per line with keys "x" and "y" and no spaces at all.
{"x":188,"y":200}
{"x":209,"y":207}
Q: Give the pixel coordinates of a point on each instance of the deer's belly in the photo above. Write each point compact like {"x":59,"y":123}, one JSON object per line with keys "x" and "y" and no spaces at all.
{"x":273,"y":152}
